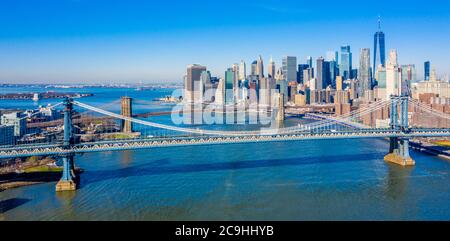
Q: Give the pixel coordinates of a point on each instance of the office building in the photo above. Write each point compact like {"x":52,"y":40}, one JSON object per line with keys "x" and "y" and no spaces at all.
{"x":16,"y":119}
{"x":393,"y":75}
{"x":309,"y":61}
{"x":433,"y":86}
{"x":332,"y":56}
{"x":229,"y":90}
{"x":345,"y":66}
{"x":260,"y":67}
{"x":289,"y":66}
{"x":271,"y":68}
{"x":308,"y":75}
{"x":254,"y":68}
{"x":364,"y":76}
{"x":7,"y":135}
{"x":321,"y":78}
{"x":426,"y":70}
{"x":300,"y":69}
{"x":242,"y":70}
{"x":379,"y":53}
{"x":192,"y":82}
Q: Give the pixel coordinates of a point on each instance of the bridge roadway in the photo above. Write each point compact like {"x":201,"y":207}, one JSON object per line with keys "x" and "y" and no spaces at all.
{"x":132,"y":144}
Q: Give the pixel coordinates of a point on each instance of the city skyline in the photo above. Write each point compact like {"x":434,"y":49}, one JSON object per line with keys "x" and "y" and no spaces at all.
{"x":152,"y":48}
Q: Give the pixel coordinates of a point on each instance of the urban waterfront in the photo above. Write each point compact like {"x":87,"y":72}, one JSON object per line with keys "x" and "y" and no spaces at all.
{"x":301,"y":180}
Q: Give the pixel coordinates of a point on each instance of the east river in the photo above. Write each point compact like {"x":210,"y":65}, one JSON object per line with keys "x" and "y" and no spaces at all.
{"x":302,"y":180}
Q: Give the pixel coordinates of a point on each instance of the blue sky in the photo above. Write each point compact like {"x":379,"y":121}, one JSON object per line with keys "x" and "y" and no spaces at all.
{"x":92,"y":41}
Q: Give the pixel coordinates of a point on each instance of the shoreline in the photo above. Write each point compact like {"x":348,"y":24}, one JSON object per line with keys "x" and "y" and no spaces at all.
{"x":16,"y":180}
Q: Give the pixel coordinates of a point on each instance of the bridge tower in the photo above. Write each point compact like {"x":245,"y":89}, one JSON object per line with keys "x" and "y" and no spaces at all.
{"x":399,"y":146}
{"x":279,"y":100}
{"x":68,"y":179}
{"x":127,"y":111}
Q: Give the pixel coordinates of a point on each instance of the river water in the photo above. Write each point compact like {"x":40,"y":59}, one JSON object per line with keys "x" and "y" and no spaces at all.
{"x":301,"y":180}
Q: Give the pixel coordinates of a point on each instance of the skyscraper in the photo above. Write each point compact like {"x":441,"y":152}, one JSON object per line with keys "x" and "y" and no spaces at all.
{"x":242,"y":70}
{"x":364,"y":74}
{"x":345,"y":67}
{"x":334,"y":72}
{"x":393,"y":75}
{"x":229,"y":81}
{"x":205,"y":85}
{"x":260,"y":67}
{"x":271,"y":68}
{"x":309,"y":61}
{"x":192,"y":82}
{"x":300,"y":69}
{"x":289,"y":67}
{"x":332,"y":56}
{"x":379,"y":48}
{"x":426,"y":70}
{"x":254,"y":68}
{"x":321,"y":76}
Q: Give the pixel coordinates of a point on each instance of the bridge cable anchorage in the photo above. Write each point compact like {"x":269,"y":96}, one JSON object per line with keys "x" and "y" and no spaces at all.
{"x":376,"y":106}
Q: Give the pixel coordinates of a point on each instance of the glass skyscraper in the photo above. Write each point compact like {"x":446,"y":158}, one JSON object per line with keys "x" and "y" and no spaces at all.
{"x":345,"y":67}
{"x":379,"y":55}
{"x":229,"y":81}
{"x":427,"y":70}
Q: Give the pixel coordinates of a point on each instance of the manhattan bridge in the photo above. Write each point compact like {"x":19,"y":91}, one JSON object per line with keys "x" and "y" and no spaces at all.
{"x":86,"y":128}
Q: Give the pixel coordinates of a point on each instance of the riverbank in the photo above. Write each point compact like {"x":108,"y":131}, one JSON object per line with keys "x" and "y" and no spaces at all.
{"x":431,"y":149}
{"x":31,"y":177}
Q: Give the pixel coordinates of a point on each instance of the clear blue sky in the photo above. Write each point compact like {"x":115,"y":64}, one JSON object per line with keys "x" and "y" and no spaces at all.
{"x":91,"y":41}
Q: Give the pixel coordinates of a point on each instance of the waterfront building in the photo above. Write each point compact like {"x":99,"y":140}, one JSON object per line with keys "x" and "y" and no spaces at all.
{"x":345,"y":66}
{"x":426,"y":70}
{"x":289,"y":66}
{"x":379,"y":58}
{"x":242,"y":70}
{"x":7,"y":135}
{"x":271,"y":68}
{"x":364,"y":76}
{"x":16,"y":119}
{"x":300,"y":69}
{"x":192,"y":82}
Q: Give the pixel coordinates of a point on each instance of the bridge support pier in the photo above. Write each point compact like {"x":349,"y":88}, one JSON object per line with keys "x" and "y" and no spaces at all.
{"x":399,"y":147}
{"x":68,"y":181}
{"x":400,"y":153}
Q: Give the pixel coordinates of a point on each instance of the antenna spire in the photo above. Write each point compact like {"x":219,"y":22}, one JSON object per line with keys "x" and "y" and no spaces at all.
{"x":379,"y":22}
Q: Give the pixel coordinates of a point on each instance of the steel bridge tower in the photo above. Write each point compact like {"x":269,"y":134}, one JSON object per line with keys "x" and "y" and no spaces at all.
{"x":399,"y":146}
{"x":69,"y":178}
